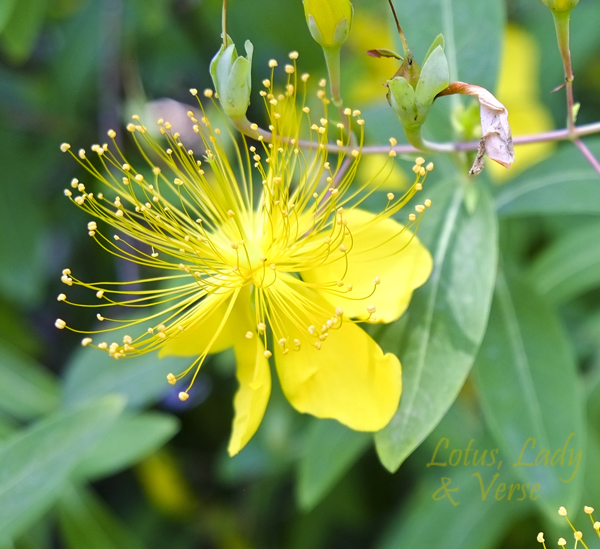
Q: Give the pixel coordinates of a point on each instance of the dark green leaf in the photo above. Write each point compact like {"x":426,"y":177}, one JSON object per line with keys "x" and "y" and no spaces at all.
{"x":330,"y":451}
{"x":27,"y":389}
{"x":446,"y":321}
{"x":87,"y":523}
{"x":128,"y":441}
{"x":528,"y":388}
{"x":565,"y":183}
{"x":35,"y":463}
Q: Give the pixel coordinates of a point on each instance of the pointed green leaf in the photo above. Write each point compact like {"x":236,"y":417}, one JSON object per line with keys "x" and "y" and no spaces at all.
{"x":439,"y":41}
{"x":35,"y":463}
{"x":129,"y":440}
{"x":330,"y":451}
{"x":524,"y":371}
{"x":447,"y":319}
{"x":434,"y":79}
{"x":142,"y":379}
{"x":27,"y":389}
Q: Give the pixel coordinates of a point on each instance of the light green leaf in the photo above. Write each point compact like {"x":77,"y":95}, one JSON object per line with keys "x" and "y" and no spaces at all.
{"x":433,"y":79}
{"x":128,"y":441}
{"x":524,"y":371}
{"x":565,"y":183}
{"x":35,"y":463}
{"x":22,"y":29}
{"x":446,"y":321}
{"x":27,"y":389}
{"x":330,"y":451}
{"x":570,"y":266}
{"x":141,"y":379}
{"x":472,"y":29}
{"x":6,"y":10}
{"x":87,"y":523}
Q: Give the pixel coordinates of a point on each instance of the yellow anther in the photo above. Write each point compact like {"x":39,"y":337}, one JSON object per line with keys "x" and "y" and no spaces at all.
{"x":596,"y":526}
{"x":289,"y":69}
{"x":376,"y":281}
{"x":562,"y":542}
{"x":562,"y":512}
{"x":99,"y":317}
{"x":156,"y":170}
{"x":540,"y":537}
{"x":139,"y":177}
{"x":588,"y":510}
{"x":429,"y":167}
{"x":268,"y":354}
{"x":60,"y":323}
{"x":81,"y":153}
{"x":419,"y":208}
{"x":422,"y":172}
{"x":355,"y":153}
{"x":261,"y":326}
{"x":305,"y":77}
{"x":427,"y":203}
{"x":171,"y":379}
{"x":419,"y":161}
{"x":66,"y":280}
{"x":578,"y":535}
{"x":282,"y":342}
{"x":339,"y":311}
{"x":193,"y":91}
{"x":86,"y":341}
{"x":390,"y":196}
{"x":418,"y":187}
{"x":131,"y":127}
{"x":371,"y":309}
{"x":177,"y":181}
{"x":392,"y":154}
{"x":272,"y":63}
{"x":342,"y":248}
{"x":293,"y":55}
{"x":100,"y":294}
{"x":183,"y":396}
{"x":249,"y":334}
{"x":92,"y":226}
{"x":127,"y":340}
{"x":318,"y":345}
{"x":393,"y":141}
{"x":112,"y":134}
{"x":68,"y":192}
{"x":230,"y":213}
{"x":64,"y":147}
{"x":61,"y":297}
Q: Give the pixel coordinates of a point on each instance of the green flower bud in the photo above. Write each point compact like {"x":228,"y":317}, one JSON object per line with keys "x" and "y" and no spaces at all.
{"x":232,"y":79}
{"x":329,"y":21}
{"x":561,"y":5}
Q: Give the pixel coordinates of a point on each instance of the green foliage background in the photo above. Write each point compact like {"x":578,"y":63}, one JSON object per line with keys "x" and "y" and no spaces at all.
{"x":500,"y":346}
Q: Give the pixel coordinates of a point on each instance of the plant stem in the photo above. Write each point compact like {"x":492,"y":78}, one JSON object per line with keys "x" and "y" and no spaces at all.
{"x":561,"y":24}
{"x":332,"y":59}
{"x":224,"y":23}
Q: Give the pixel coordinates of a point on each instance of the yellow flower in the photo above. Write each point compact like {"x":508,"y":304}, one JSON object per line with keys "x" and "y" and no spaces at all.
{"x":287,"y":269}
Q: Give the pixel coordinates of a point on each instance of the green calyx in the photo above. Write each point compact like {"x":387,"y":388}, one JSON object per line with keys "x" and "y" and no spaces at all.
{"x":413,"y":90}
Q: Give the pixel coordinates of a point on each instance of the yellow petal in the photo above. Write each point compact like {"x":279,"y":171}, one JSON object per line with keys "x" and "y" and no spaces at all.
{"x":348,"y":379}
{"x":380,"y":248}
{"x":253,"y":375}
{"x":195,"y":339}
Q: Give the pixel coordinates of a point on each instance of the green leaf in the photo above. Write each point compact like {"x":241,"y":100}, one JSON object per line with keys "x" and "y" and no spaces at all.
{"x":427,"y":518}
{"x":87,"y":523}
{"x":529,"y":391}
{"x":142,"y":380}
{"x":27,"y":389}
{"x":446,"y":321}
{"x":128,"y":441}
{"x":35,"y":463}
{"x":433,"y":79}
{"x":570,"y":266}
{"x":22,"y":29}
{"x":565,"y":183}
{"x":331,"y":450}
{"x":473,"y":32}
{"x":6,"y":10}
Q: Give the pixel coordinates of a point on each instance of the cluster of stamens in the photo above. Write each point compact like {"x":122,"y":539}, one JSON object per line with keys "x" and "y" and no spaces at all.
{"x":577,"y":534}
